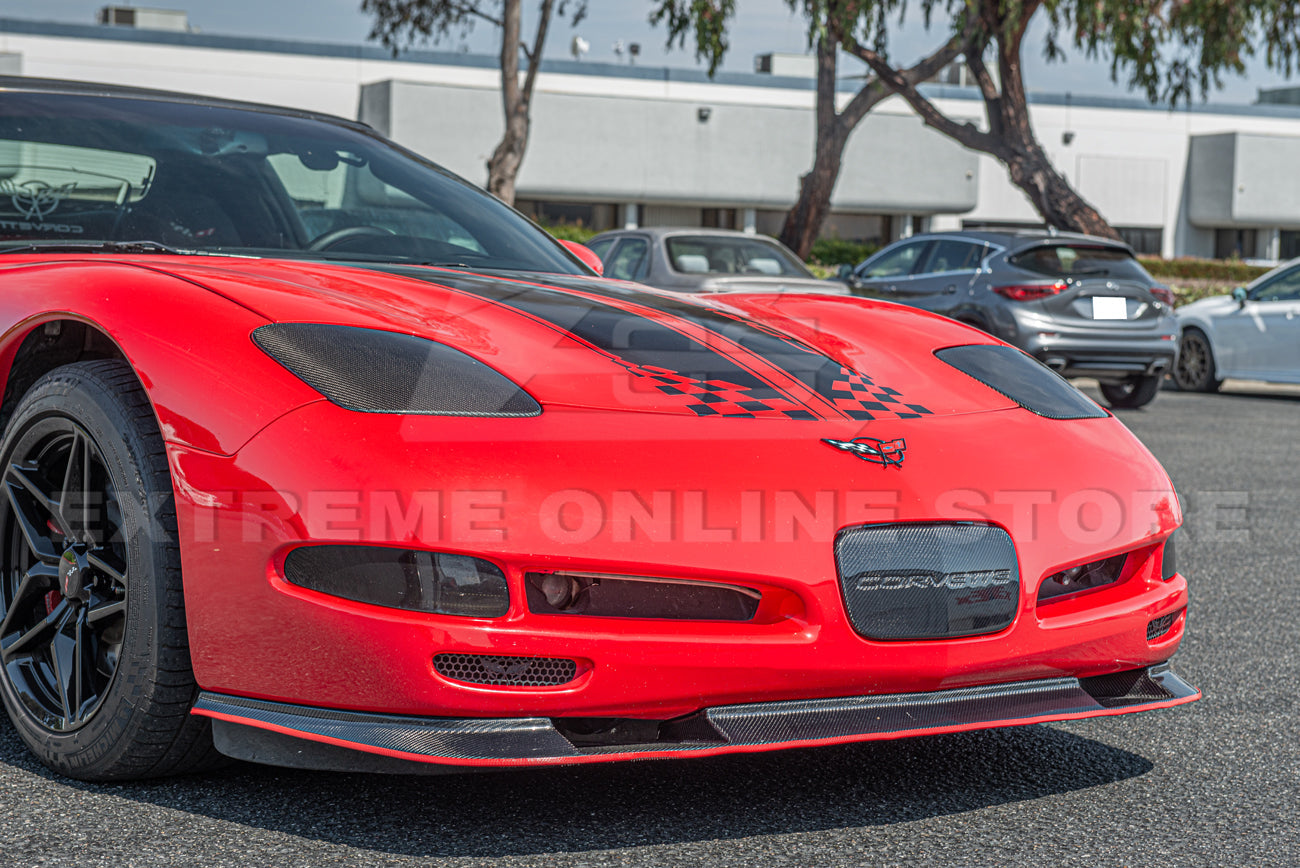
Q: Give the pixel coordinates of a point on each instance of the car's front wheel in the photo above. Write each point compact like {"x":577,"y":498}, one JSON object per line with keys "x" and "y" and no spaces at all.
{"x":1196,"y":371}
{"x":1136,"y":391}
{"x":96,"y":671}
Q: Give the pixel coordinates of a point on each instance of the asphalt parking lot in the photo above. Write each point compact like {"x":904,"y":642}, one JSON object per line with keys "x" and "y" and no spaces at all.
{"x":1213,"y":783}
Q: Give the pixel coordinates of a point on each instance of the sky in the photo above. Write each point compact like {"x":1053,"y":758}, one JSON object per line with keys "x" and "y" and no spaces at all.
{"x":761,"y":26}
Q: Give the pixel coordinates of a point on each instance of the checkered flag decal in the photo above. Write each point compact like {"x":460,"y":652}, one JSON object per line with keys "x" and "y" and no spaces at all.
{"x":718,"y":397}
{"x":856,"y":395}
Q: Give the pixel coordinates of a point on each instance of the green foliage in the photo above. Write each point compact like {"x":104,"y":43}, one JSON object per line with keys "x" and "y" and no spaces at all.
{"x":1194,"y":279}
{"x":399,"y":24}
{"x":1230,"y":271}
{"x":570,"y":231}
{"x":836,"y":251}
{"x":707,"y":19}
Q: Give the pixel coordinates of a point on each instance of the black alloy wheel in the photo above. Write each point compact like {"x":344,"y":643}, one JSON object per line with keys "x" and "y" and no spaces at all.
{"x":94,"y":653}
{"x":65,"y":584}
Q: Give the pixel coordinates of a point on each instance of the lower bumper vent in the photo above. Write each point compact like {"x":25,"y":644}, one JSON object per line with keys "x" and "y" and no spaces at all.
{"x":506,"y":671}
{"x":1160,"y":626}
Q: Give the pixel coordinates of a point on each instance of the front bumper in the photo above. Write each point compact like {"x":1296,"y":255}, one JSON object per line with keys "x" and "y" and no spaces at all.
{"x":304,"y":737}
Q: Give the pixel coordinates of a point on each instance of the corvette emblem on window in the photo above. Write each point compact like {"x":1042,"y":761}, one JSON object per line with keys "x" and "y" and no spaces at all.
{"x":883,"y":452}
{"x":35,"y":199}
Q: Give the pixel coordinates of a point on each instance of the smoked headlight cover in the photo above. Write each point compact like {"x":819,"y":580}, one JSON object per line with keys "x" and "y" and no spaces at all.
{"x":419,"y":581}
{"x":1030,"y":384}
{"x":374,"y":371}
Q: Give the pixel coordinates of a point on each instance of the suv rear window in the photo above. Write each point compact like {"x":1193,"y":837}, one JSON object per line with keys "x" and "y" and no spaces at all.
{"x":1078,"y":260}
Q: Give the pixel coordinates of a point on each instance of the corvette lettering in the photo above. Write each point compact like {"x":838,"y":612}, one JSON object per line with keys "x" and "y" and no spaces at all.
{"x":906,"y":580}
{"x":50,"y":228}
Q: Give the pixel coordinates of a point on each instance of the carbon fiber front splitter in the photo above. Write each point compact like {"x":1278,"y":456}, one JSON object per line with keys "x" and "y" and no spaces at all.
{"x":304,"y":737}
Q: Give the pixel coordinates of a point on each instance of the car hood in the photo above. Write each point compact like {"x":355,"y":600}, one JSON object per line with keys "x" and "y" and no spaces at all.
{"x":600,"y":344}
{"x":1216,"y":305}
{"x":752,"y":283}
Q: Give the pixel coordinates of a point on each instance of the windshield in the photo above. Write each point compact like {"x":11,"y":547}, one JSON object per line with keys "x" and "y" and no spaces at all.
{"x":78,"y":169}
{"x":723,"y":254}
{"x":1079,"y":260}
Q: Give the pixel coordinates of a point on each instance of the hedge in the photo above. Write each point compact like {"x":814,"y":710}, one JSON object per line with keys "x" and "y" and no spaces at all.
{"x":1232,"y":271}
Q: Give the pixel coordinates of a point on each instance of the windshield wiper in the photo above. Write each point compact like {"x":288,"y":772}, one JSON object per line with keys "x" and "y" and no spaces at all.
{"x":99,"y":247}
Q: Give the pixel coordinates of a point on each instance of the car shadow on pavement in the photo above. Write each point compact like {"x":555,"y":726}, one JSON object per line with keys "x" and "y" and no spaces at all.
{"x":602,"y":807}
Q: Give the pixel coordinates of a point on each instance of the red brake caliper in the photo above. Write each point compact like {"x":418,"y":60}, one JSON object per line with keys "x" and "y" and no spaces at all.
{"x":52,"y":598}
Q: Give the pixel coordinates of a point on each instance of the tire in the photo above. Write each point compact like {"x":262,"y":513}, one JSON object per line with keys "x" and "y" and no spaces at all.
{"x":1136,"y":391}
{"x":95,"y":670}
{"x":1196,"y":370}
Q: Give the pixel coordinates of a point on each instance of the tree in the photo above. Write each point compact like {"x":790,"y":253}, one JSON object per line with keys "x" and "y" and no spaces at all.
{"x":999,"y":27}
{"x":803,"y":223}
{"x":1167,"y":48}
{"x":400,"y":23}
{"x":1170,"y":49}
{"x":708,"y":19}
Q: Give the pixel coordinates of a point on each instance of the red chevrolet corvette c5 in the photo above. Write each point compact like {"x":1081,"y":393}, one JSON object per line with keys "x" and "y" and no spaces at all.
{"x":316,"y":455}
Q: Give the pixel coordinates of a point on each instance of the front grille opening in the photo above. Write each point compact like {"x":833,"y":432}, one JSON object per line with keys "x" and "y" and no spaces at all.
{"x":920,"y":581}
{"x":1083,"y":577}
{"x":506,"y":671}
{"x":1124,"y":688}
{"x":1161,"y":626}
{"x":638,"y":597}
{"x":594,"y":733}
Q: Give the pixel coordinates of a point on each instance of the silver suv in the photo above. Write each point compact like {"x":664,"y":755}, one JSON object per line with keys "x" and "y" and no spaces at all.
{"x":1084,"y":306}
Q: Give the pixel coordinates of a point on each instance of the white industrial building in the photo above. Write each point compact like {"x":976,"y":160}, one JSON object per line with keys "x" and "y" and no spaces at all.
{"x":619,"y":145}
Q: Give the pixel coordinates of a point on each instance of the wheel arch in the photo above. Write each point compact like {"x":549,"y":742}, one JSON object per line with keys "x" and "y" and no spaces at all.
{"x":48,"y":344}
{"x":209,"y":385}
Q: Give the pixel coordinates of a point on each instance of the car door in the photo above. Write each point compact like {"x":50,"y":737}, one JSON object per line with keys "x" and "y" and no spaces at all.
{"x":887,"y":274}
{"x":1262,"y":337}
{"x":943,"y":275}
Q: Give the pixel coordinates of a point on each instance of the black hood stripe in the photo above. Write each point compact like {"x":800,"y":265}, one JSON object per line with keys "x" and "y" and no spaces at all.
{"x":718,"y":363}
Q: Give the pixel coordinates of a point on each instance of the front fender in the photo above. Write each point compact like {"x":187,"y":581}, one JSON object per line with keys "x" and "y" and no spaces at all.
{"x":210,"y":386}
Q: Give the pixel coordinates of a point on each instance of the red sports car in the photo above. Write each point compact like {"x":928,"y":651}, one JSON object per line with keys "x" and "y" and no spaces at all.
{"x":316,"y":455}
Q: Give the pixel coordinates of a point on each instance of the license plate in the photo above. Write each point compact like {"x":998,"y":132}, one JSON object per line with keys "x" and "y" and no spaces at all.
{"x":1109,"y":307}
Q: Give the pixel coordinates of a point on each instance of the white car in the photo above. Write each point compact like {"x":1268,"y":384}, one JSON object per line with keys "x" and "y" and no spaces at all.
{"x":1253,"y":334}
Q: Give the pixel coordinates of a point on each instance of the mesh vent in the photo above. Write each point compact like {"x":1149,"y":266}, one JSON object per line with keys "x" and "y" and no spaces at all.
{"x":375,"y":371}
{"x":1160,"y":626}
{"x":512,"y":671}
{"x":928,"y":581}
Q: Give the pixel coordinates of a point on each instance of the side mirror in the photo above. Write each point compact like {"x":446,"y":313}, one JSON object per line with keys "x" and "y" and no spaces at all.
{"x":585,"y":253}
{"x":845,"y":273}
{"x":1239,"y":295}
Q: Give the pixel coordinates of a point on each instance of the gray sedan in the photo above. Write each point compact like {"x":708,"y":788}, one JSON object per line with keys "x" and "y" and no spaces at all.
{"x":706,"y":260}
{"x":1254,"y":334}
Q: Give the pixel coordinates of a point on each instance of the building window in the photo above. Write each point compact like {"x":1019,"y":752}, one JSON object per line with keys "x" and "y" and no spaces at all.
{"x":1288,"y":244}
{"x":1142,"y":240}
{"x":718,"y":218}
{"x":593,"y":216}
{"x":1234,"y":243}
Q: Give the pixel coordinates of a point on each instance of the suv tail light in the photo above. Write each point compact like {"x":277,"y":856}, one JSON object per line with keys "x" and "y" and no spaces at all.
{"x":1031,"y":291}
{"x":1163,"y":293}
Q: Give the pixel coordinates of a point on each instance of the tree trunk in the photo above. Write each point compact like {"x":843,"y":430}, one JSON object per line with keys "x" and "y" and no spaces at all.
{"x":1028,"y":166}
{"x":1057,"y":202}
{"x":503,"y":167}
{"x":803,"y":223}
{"x":1009,"y":137}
